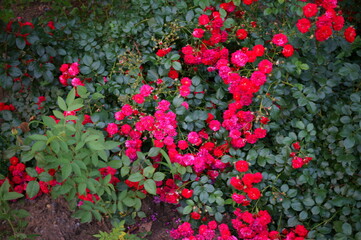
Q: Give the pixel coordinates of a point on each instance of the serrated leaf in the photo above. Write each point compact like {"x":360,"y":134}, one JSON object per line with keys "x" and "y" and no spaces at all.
{"x":11,"y":196}
{"x":62,"y":104}
{"x":20,"y":43}
{"x":158,"y":176}
{"x":154,"y":151}
{"x":32,"y":189}
{"x":187,"y":210}
{"x":66,"y":170}
{"x":150,"y":186}
{"x":136,"y":177}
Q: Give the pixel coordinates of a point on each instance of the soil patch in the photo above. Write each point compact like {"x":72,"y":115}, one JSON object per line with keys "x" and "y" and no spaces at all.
{"x":51,"y":220}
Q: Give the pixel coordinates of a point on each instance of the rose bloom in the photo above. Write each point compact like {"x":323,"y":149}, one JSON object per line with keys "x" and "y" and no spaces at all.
{"x":301,"y":231}
{"x":259,"y":50}
{"x":195,"y":215}
{"x":241,"y":34}
{"x":303,"y":25}
{"x":253,"y":193}
{"x":279,"y":39}
{"x":350,"y":34}
{"x":323,"y":33}
{"x":186,"y":193}
{"x":241,"y":166}
{"x":265,"y":66}
{"x":138,"y":98}
{"x":203,"y":19}
{"x":239,"y":58}
{"x":288,"y":50}
{"x":198,"y":33}
{"x":310,"y":10}
{"x":338,"y":22}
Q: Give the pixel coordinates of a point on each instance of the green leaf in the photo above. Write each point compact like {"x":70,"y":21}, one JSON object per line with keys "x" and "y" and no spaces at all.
{"x":116,"y":164}
{"x":349,"y":142}
{"x":189,"y":16}
{"x":150,"y":186}
{"x":136,"y":177}
{"x":85,"y":70}
{"x":62,"y":104}
{"x":32,"y":189}
{"x":177,"y":66}
{"x":129,"y":201}
{"x":15,"y":72}
{"x":187,"y":210}
{"x":154,"y":151}
{"x":158,"y":176}
{"x":66,"y":170}
{"x":148,"y":171}
{"x":38,"y":137}
{"x":109,"y":145}
{"x":48,"y":76}
{"x":347,"y":229}
{"x":48,"y":121}
{"x":88,"y":60}
{"x":81,"y":188}
{"x":12,"y":196}
{"x":20,"y":43}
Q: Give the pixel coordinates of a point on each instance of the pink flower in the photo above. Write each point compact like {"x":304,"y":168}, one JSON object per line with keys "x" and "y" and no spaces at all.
{"x":198,"y":33}
{"x":239,"y":58}
{"x":73,"y":69}
{"x":146,"y":90}
{"x":215,"y":125}
{"x":279,"y":39}
{"x":77,"y":82}
{"x":138,"y":98}
{"x":119,"y":116}
{"x":185,"y":104}
{"x":265,"y":66}
{"x":111,"y":129}
{"x":194,"y":138}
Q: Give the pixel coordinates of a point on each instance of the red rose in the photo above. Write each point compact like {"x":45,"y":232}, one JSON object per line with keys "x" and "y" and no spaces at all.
{"x":323,"y":33}
{"x":203,"y":19}
{"x":350,"y":34}
{"x":173,"y":74}
{"x":296,"y":145}
{"x":297,"y":162}
{"x":241,"y":34}
{"x":279,"y":39}
{"x":241,"y":166}
{"x":195,"y":215}
{"x":310,"y":10}
{"x":265,"y":66}
{"x":259,"y":50}
{"x":253,"y":193}
{"x":198,"y":33}
{"x":229,"y":7}
{"x":338,"y":22}
{"x":301,"y":231}
{"x":186,"y":193}
{"x":237,"y":183}
{"x":288,"y":50}
{"x":303,"y":25}
{"x":14,"y":160}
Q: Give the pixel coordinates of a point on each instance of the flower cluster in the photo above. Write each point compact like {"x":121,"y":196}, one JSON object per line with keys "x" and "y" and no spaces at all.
{"x":329,"y":21}
{"x":298,"y":162}
{"x":23,"y":31}
{"x":4,"y":106}
{"x":247,"y":226}
{"x":19,"y":178}
{"x":41,"y":99}
{"x":69,"y":73}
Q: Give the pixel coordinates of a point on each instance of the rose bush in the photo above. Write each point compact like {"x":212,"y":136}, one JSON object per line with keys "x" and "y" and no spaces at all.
{"x":189,"y":98}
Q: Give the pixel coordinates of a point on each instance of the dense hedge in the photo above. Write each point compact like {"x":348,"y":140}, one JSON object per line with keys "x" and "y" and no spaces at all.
{"x":312,"y":98}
